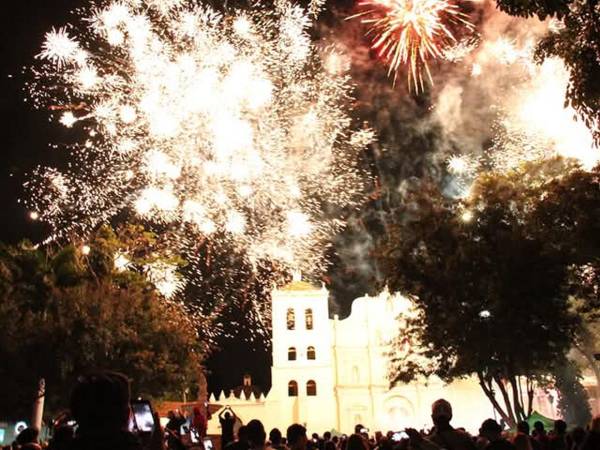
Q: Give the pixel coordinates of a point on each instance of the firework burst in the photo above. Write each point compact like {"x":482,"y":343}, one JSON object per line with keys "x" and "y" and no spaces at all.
{"x":220,"y":127}
{"x":411,"y":33}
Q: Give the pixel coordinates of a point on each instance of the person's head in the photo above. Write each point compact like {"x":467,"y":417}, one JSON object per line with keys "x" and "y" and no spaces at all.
{"x":242,"y":433}
{"x":441,"y":412}
{"x":256,"y":433}
{"x":275,"y":436}
{"x":538,"y":426}
{"x":523,"y":427}
{"x":522,"y":441}
{"x":335,"y":439}
{"x":100,"y":401}
{"x":358,"y":428}
{"x":491,"y":430}
{"x":560,"y":427}
{"x":595,"y":424}
{"x":327,"y":435}
{"x":27,"y":436}
{"x":296,"y":436}
{"x":227,"y":415}
{"x":356,"y":442}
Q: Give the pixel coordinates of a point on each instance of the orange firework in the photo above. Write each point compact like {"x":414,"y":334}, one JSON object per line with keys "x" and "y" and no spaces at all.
{"x":412,"y":32}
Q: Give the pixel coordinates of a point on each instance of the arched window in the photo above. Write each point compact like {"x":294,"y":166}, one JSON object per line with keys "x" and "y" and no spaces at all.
{"x":311,"y":354}
{"x":291,"y":319}
{"x":311,"y":388}
{"x":292,"y":389}
{"x":292,"y":354}
{"x":308,"y":318}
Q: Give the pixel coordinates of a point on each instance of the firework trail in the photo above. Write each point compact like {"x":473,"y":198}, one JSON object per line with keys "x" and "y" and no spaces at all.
{"x":411,"y":33}
{"x":220,"y":127}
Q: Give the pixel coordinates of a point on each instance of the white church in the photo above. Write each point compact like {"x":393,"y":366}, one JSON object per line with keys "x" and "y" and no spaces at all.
{"x":331,"y":374}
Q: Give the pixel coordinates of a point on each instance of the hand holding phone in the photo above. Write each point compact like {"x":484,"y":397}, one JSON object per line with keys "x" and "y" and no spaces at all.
{"x":143,"y":417}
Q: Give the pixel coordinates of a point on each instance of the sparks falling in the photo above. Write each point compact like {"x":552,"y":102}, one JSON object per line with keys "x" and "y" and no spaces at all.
{"x":532,"y":122}
{"x":223,"y":127}
{"x":411,"y":33}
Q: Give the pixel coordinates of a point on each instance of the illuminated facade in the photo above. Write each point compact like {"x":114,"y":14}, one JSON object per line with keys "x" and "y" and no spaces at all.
{"x":331,"y":374}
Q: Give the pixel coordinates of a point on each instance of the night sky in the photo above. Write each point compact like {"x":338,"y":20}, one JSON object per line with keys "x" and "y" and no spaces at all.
{"x":26,"y":138}
{"x":30,"y":140}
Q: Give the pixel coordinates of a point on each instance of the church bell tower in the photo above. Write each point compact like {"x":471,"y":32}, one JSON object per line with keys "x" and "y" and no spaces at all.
{"x":302,"y":372}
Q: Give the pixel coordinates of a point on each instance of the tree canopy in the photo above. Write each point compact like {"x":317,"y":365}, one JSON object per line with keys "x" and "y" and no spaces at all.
{"x":490,"y":277}
{"x":68,"y":310}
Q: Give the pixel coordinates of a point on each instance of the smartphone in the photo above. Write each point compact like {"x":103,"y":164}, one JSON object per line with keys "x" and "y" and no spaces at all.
{"x":399,"y":436}
{"x":142,"y":416}
{"x":208,"y":445}
{"x":364,"y":430}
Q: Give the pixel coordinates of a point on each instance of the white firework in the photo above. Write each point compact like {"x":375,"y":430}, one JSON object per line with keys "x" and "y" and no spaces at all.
{"x":220,"y":126}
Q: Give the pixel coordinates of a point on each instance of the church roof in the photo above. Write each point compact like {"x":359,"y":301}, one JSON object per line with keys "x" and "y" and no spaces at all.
{"x":247,"y":391}
{"x":299,"y":286}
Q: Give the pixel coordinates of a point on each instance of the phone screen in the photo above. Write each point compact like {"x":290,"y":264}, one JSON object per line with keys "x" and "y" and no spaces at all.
{"x":208,"y":445}
{"x":400,"y":435}
{"x":144,"y":420}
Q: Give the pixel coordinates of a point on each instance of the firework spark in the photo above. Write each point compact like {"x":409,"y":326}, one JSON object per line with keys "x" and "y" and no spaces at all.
{"x":531,"y":121}
{"x":225,"y":127}
{"x":412,"y":32}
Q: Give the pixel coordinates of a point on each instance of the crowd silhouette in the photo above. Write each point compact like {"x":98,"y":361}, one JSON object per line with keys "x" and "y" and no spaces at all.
{"x":101,"y":419}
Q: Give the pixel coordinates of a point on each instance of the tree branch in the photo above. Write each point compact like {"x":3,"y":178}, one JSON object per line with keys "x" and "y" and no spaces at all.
{"x":506,"y":398}
{"x":490,"y":395}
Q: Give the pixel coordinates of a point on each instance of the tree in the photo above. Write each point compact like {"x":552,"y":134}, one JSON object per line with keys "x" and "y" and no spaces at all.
{"x":487,"y":285}
{"x":67,"y":310}
{"x":570,"y":215}
{"x":577,"y":43}
{"x":573,"y":402}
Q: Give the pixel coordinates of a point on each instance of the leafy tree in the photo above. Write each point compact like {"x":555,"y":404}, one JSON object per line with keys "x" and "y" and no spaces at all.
{"x":64,"y":311}
{"x":573,"y":402}
{"x":540,"y":8}
{"x":487,"y":285}
{"x":570,"y":214}
{"x":577,"y":43}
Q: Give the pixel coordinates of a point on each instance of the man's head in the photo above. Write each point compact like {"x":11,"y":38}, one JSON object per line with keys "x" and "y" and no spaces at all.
{"x":523,"y":427}
{"x":28,"y":435}
{"x":296,"y":436}
{"x":327,"y":435}
{"x":560,"y":427}
{"x":256,"y":433}
{"x":441,"y":412}
{"x":491,"y":430}
{"x":242,"y":433}
{"x":227,"y":415}
{"x":538,"y":426}
{"x":100,"y":402}
{"x":275,"y":436}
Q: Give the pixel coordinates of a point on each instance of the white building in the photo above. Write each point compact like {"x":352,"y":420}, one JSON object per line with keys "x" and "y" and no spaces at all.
{"x":332,"y":374}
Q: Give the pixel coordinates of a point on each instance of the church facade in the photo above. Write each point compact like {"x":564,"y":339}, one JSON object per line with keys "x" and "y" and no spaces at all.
{"x":331,"y":374}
